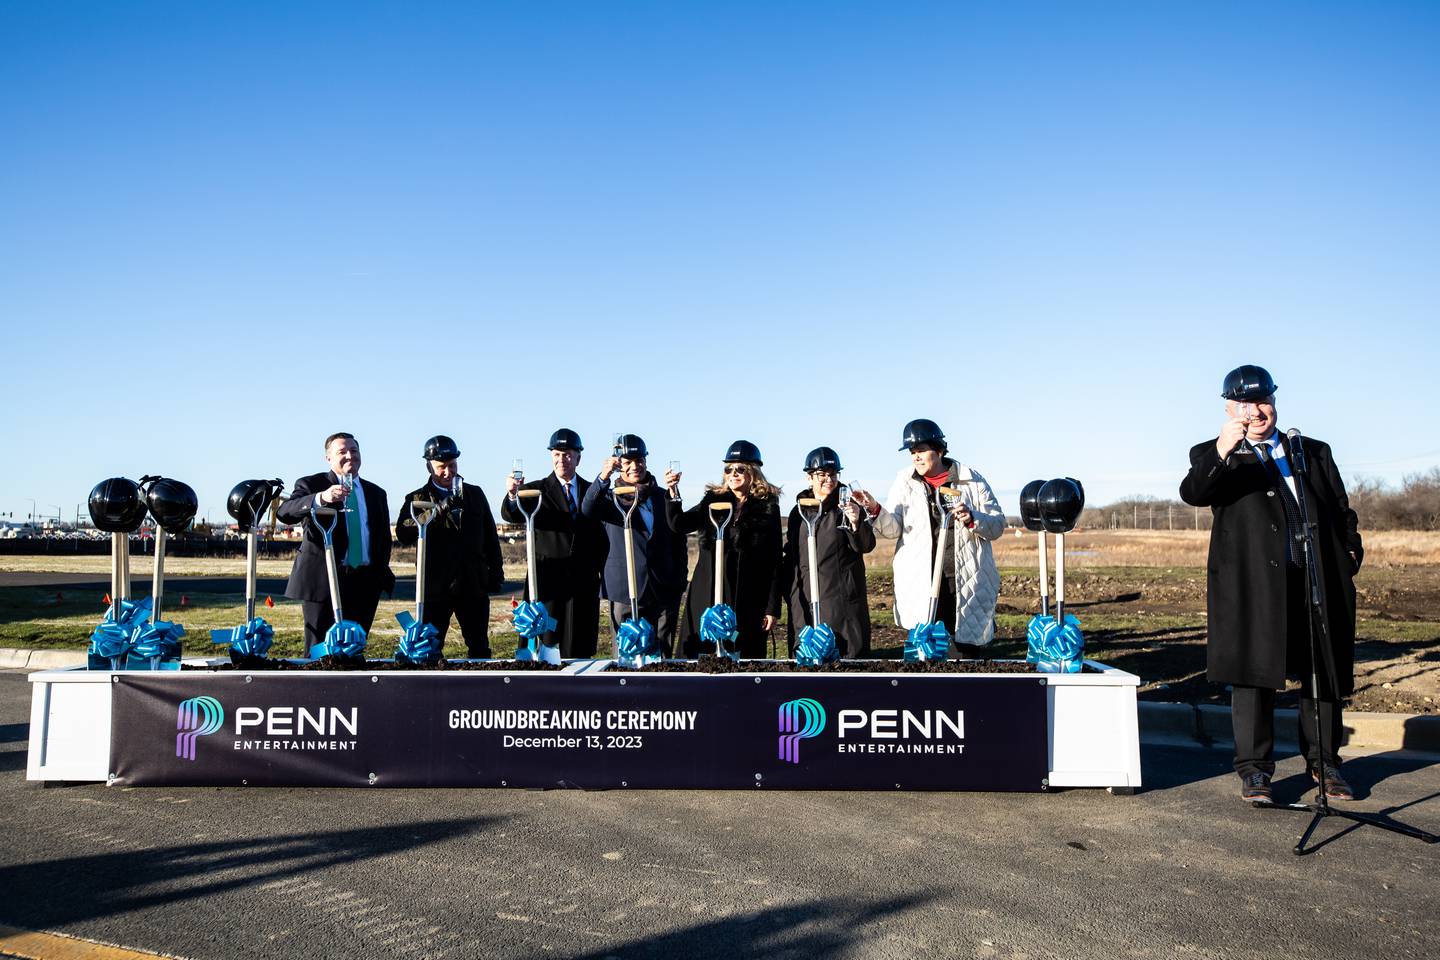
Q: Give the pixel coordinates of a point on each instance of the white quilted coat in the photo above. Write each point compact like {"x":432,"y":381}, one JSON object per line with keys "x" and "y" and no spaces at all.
{"x":977,"y":581}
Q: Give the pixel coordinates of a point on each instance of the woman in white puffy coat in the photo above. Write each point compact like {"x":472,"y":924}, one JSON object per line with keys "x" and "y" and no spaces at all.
{"x":970,"y":587}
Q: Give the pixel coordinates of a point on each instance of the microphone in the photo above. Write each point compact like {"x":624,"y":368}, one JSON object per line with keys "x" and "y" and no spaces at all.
{"x":1297,"y":450}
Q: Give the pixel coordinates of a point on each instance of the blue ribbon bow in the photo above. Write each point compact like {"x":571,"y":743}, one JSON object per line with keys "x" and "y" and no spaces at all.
{"x":155,"y":645}
{"x":816,"y":645}
{"x":420,"y":643}
{"x":112,"y":638}
{"x":344,"y":639}
{"x":635,"y":644}
{"x":927,"y":641}
{"x":251,"y":639}
{"x":532,"y":620}
{"x":718,"y":626}
{"x":1053,"y":647}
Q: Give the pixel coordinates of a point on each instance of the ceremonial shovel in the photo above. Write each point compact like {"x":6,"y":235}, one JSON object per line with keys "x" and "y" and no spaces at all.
{"x":547,"y":653}
{"x":807,"y":504}
{"x":421,"y":512}
{"x":634,"y":493}
{"x":720,"y":514}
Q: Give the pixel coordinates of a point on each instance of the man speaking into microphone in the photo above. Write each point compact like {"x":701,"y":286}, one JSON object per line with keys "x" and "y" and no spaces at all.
{"x":1258,"y":591}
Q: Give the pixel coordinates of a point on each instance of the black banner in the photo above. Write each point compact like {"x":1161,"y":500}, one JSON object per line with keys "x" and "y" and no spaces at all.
{"x":604,"y":730}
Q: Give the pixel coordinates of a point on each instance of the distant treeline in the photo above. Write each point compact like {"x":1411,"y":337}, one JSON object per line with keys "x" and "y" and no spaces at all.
{"x":1415,"y":505}
{"x":185,"y":545}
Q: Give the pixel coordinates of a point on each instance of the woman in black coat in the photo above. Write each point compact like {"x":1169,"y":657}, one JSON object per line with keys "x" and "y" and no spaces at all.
{"x":752,"y":552}
{"x":842,"y":538}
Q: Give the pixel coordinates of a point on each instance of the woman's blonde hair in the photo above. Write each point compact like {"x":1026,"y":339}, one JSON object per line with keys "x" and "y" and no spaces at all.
{"x":760,"y":488}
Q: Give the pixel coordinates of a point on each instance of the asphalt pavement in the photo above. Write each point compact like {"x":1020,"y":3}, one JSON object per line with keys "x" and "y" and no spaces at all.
{"x":1181,"y":868}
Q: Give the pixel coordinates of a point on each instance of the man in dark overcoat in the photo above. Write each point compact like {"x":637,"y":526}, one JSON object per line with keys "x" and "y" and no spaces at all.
{"x":463,"y":566}
{"x":1260,"y":616}
{"x":361,"y":541}
{"x":570,"y":548}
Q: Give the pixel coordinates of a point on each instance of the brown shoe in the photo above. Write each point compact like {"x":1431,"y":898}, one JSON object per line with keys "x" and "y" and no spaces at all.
{"x":1336,"y":787}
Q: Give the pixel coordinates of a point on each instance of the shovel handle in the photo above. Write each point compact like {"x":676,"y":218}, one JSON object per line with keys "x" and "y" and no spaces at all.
{"x":1044,"y":577}
{"x":1060,"y":579}
{"x":939,"y":570}
{"x":251,"y":560}
{"x":157,"y":584}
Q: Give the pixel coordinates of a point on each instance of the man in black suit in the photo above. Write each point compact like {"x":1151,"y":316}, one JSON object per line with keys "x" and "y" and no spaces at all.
{"x":1258,"y":598}
{"x":661,"y":555}
{"x":463,"y":565}
{"x":570,"y":548}
{"x":361,"y":541}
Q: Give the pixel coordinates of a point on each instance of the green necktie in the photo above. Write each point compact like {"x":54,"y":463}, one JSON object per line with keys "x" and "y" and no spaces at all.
{"x":354,"y":550}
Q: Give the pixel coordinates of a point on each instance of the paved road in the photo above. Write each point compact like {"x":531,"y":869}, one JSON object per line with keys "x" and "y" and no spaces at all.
{"x":1181,"y":868}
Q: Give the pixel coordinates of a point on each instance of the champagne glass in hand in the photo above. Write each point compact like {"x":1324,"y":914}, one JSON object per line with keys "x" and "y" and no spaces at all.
{"x":1245,"y":413}
{"x":674,"y":469}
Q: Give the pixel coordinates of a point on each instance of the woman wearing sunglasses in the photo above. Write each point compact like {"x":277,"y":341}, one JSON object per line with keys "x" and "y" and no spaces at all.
{"x":970,"y":587}
{"x":752,"y":551}
{"x":842,"y":538}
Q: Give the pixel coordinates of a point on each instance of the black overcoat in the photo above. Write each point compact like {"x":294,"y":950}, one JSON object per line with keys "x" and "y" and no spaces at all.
{"x":840,"y":556}
{"x":308,"y":580}
{"x":1249,"y":620}
{"x":462,"y":551}
{"x":752,"y":569}
{"x":569,"y":560}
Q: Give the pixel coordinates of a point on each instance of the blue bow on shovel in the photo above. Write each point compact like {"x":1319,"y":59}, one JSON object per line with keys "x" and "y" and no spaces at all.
{"x":928,"y":641}
{"x":343,"y":639}
{"x":635,"y":644}
{"x":420,"y":642}
{"x":155,"y":646}
{"x":533,"y":621}
{"x":718,"y":626}
{"x":251,"y":639}
{"x":816,"y":645}
{"x":1054,"y":648}
{"x":110,"y":641}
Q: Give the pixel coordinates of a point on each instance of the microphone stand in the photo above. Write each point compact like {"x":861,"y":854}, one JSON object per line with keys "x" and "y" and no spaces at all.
{"x":1320,"y":627}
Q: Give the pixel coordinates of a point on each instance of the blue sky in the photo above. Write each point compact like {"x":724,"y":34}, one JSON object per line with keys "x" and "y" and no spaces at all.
{"x":226,"y":231}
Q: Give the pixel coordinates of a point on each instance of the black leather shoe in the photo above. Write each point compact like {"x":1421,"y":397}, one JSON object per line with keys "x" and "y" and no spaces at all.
{"x":1336,"y":788}
{"x":1255,"y":787}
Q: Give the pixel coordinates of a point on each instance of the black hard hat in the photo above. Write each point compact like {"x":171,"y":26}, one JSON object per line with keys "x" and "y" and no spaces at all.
{"x":631,"y":447}
{"x":1030,"y":505}
{"x":743,"y":451}
{"x":441,"y":448}
{"x":117,"y":505}
{"x":565,"y":439}
{"x":248,"y":500}
{"x":1248,"y":383}
{"x":173,"y":504}
{"x":1061,"y":501}
{"x":822,"y":458}
{"x":922,"y":431}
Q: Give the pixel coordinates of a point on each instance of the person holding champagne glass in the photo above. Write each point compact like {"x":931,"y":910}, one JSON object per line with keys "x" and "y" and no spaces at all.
{"x":752,"y":551}
{"x":970,"y":587}
{"x":842,"y":538}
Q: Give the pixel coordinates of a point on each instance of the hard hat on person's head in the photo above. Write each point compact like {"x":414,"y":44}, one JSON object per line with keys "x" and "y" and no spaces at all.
{"x":631,"y":447}
{"x":441,"y":448}
{"x":743,"y":451}
{"x":922,"y":431}
{"x":1248,"y":383}
{"x":565,"y":439}
{"x":117,"y":505}
{"x":822,"y":458}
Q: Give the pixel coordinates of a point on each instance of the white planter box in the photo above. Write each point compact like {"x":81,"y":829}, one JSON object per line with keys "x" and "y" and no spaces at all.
{"x":1091,"y":721}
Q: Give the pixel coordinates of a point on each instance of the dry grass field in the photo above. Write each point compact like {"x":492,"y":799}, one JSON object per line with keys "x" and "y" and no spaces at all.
{"x":1140,"y":596}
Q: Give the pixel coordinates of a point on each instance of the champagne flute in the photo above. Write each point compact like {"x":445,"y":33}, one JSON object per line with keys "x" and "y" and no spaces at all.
{"x":1246,"y":413}
{"x":517,"y":470}
{"x":843,"y":500}
{"x":347,"y":480}
{"x":675,"y":469}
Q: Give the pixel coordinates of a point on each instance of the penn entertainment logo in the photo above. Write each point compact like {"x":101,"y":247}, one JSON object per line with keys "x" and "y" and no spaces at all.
{"x":799,"y":720}
{"x":197,"y":717}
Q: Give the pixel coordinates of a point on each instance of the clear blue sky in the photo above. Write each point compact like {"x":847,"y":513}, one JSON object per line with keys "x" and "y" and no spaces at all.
{"x":228,"y":230}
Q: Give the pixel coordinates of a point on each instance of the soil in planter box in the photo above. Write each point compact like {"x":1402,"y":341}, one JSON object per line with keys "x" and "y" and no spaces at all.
{"x":712,"y":664}
{"x":333,"y":664}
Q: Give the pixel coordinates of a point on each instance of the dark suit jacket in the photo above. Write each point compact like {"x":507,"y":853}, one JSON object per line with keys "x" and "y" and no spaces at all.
{"x":462,"y":552}
{"x":661,"y":555}
{"x":569,"y":553}
{"x":1249,"y":618}
{"x":307,"y":578}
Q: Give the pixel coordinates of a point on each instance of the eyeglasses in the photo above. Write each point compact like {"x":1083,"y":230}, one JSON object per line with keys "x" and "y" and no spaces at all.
{"x":737,"y":470}
{"x":825,"y":474}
